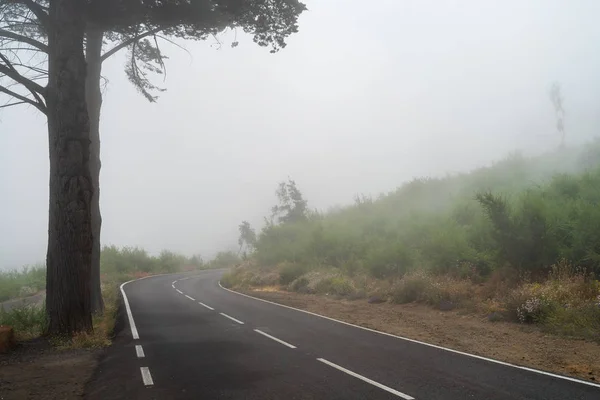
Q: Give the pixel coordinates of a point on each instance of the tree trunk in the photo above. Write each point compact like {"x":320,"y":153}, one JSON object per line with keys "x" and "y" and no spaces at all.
{"x":69,"y":254}
{"x":94,"y":103}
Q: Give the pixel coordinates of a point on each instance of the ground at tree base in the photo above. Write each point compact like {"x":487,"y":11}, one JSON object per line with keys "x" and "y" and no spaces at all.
{"x":514,"y":343}
{"x":36,"y":370}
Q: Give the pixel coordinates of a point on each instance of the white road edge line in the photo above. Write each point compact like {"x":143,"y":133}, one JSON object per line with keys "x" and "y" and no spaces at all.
{"x":134,"y":331}
{"x":291,"y":346}
{"x":365,"y":379}
{"x":506,"y":364}
{"x":146,"y":377}
{"x":233,"y":319}
{"x":191,"y":298}
{"x":204,"y":305}
{"x":180,"y":292}
{"x":139,"y":351}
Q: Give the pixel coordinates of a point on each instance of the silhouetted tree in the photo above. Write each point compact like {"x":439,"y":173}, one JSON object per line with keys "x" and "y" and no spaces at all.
{"x":557,"y":101}
{"x":247,"y":236}
{"x":27,"y":26}
{"x":292,"y":207}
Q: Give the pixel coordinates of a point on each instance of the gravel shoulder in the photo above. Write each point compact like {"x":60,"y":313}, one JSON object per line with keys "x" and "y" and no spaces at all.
{"x":517,"y":344}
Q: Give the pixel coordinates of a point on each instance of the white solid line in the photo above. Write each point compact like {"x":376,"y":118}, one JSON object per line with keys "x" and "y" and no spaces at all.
{"x":191,"y":298}
{"x":233,"y":319}
{"x":506,"y":364}
{"x":291,"y":346}
{"x":180,"y":292}
{"x":209,"y":307}
{"x":139,"y":350}
{"x":134,"y":331}
{"x":146,"y":377}
{"x":362,"y":378}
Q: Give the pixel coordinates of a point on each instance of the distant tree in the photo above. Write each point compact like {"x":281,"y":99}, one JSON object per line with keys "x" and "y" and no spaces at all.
{"x":292,"y":207}
{"x":557,"y":101}
{"x":247,"y":236}
{"x":224,"y":259}
{"x":196,"y":260}
{"x":137,"y":25}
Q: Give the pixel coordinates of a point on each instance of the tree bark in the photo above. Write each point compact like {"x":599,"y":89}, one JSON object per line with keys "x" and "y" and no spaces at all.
{"x":69,"y":254}
{"x":93,"y":56}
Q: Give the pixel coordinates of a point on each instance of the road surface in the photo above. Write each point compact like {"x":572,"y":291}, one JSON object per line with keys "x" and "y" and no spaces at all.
{"x":192,"y":339}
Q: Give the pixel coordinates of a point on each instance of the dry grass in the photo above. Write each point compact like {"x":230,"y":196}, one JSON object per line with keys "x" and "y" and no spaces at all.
{"x":566,"y":302}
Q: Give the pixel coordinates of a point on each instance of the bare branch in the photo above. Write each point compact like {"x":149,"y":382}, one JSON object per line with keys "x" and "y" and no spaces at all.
{"x":24,"y":39}
{"x":8,"y":70}
{"x":39,"y":106}
{"x":13,"y":104}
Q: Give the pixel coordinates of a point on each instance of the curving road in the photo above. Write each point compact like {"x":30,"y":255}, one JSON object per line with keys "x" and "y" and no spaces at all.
{"x":187,"y":338}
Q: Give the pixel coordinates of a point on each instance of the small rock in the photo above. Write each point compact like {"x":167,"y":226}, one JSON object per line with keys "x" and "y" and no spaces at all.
{"x":7,"y":338}
{"x":446,"y":305}
{"x":495,"y":317}
{"x":375,"y":300}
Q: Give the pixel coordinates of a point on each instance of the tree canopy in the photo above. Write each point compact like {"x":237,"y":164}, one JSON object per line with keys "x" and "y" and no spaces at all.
{"x":136,"y":25}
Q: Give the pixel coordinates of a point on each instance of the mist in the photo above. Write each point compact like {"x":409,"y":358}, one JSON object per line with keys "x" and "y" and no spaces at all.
{"x":362,"y":100}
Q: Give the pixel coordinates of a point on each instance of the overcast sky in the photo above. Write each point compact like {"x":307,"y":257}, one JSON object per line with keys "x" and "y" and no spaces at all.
{"x":361,"y":100}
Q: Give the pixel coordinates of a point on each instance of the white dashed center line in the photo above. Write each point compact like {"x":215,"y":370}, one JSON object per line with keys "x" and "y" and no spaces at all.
{"x":233,"y":319}
{"x":146,"y":377}
{"x":180,"y":292}
{"x":291,"y":346}
{"x":204,"y":305}
{"x":364,"y":379}
{"x":191,"y":298}
{"x":139,"y":350}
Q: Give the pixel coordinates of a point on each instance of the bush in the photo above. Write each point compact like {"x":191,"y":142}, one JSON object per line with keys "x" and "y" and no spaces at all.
{"x":27,"y":321}
{"x":290,"y":272}
{"x":411,"y":288}
{"x":300,"y":285}
{"x":22,"y":283}
{"x":583,"y":321}
{"x":335,"y":285}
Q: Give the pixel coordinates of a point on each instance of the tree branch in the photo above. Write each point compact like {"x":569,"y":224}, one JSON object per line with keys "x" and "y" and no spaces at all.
{"x":12,"y":104}
{"x":24,"y":39}
{"x":128,"y":42}
{"x":23,"y":99}
{"x":36,"y":9}
{"x":13,"y":74}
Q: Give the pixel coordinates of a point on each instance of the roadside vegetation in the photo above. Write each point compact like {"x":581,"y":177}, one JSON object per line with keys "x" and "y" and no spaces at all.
{"x":118,"y":265}
{"x":518,"y":240}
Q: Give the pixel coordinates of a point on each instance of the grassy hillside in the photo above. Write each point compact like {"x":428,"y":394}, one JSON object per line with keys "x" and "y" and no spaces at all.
{"x":466,"y":238}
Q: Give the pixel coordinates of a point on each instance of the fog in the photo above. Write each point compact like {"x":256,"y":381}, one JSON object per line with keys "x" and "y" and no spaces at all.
{"x":361,"y":100}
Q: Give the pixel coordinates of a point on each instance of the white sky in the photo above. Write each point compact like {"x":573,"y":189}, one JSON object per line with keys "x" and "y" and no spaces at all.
{"x":361,"y":100}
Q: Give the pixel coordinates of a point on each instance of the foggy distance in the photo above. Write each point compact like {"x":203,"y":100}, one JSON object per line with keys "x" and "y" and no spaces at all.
{"x":362,"y":100}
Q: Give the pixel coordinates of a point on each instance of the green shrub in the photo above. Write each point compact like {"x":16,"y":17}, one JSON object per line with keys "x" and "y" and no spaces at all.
{"x":27,"y":321}
{"x":290,"y":272}
{"x":583,"y":321}
{"x":411,"y":288}
{"x":21,"y":283}
{"x":300,"y":285}
{"x":335,"y":285}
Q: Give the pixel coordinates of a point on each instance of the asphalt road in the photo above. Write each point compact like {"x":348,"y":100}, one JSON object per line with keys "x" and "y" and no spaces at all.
{"x":192,"y":339}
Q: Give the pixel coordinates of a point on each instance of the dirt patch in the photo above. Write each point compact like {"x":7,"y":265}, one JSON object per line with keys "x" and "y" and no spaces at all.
{"x":518,"y":344}
{"x":36,"y":370}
